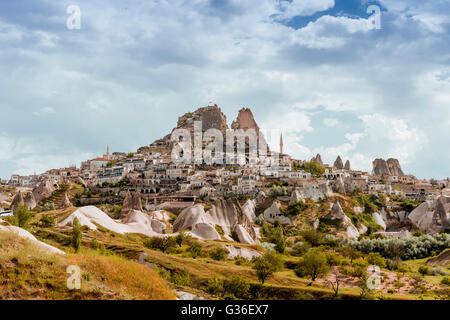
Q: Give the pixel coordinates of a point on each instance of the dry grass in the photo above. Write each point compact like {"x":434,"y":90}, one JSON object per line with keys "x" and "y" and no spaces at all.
{"x":28,"y":273}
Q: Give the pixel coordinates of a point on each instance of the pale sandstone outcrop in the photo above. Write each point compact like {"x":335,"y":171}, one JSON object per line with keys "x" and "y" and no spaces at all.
{"x":65,"y":202}
{"x":273,"y":213}
{"x":30,"y":201}
{"x":315,"y":191}
{"x":45,"y":189}
{"x":432,"y":216}
{"x":25,"y":234}
{"x":338,"y":164}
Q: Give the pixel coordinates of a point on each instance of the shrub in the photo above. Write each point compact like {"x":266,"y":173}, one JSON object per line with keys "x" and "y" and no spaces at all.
{"x":375,"y":258}
{"x":267,"y":265}
{"x":95,"y":244}
{"x":313,"y":237}
{"x":424,"y":270}
{"x":160,"y":243}
{"x":21,"y":216}
{"x":333,"y":259}
{"x":195,"y":249}
{"x":48,"y":206}
{"x":314,"y":264}
{"x":276,"y":191}
{"x":413,"y":247}
{"x":238,"y":287}
{"x":360,"y":263}
{"x":181,"y":278}
{"x":76,"y":235}
{"x":299,"y":249}
{"x":215,"y":286}
{"x":445,"y":281}
{"x":47,"y":221}
{"x":438,"y":271}
{"x":279,"y":240}
{"x":179,"y":239}
{"x":295,"y":208}
{"x":218,"y":253}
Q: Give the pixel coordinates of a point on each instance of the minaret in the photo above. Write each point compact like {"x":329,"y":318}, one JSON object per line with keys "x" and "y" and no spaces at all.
{"x":281,"y":143}
{"x":108,"y":154}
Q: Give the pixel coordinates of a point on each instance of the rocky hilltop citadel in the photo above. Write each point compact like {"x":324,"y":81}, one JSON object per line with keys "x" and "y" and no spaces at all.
{"x":178,"y":217}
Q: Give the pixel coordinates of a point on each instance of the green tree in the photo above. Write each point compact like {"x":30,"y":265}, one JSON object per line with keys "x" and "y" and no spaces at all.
{"x":179,"y":239}
{"x":77,"y":235}
{"x":47,"y":221}
{"x":160,"y":243}
{"x":279,"y":240}
{"x":314,"y":264}
{"x":267,"y":265}
{"x":22,"y":216}
{"x":195,"y":249}
{"x":376,"y":259}
{"x":218,"y":253}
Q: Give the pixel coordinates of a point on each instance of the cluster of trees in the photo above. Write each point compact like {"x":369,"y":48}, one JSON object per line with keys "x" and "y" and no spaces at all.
{"x":406,"y":248}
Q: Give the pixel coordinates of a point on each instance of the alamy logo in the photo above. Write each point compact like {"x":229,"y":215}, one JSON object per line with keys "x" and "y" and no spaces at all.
{"x":74,"y":20}
{"x":373,"y":277}
{"x":374,"y":21}
{"x":74,"y":280}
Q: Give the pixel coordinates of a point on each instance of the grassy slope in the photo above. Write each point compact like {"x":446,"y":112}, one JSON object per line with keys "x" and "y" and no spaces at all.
{"x":28,"y":273}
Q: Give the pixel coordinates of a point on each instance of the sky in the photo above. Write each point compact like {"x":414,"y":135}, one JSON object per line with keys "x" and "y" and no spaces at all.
{"x":312,"y":69}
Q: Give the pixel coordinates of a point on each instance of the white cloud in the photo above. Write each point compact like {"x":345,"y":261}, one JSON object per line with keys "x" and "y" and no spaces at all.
{"x":332,"y":122}
{"x":294,"y":8}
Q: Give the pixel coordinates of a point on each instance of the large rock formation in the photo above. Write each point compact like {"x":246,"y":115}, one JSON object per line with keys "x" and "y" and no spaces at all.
{"x":338,"y":164}
{"x":317,"y":159}
{"x":18,"y":200}
{"x":315,"y":191}
{"x":131,"y":202}
{"x":226,"y":214}
{"x":30,"y":201}
{"x":45,"y":189}
{"x":65,"y":202}
{"x":380,"y":167}
{"x":390,"y":167}
{"x":347,"y":165}
{"x":295,"y":196}
{"x":346,"y":224}
{"x":211,"y":117}
{"x":432,"y":216}
{"x":246,"y":121}
{"x":274,"y":213}
{"x":135,"y":222}
{"x":394,"y":167}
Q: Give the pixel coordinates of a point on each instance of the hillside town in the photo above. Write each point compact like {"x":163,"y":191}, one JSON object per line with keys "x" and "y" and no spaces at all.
{"x":152,"y":172}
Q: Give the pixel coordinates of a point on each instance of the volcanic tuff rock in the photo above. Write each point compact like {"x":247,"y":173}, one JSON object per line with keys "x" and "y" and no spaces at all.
{"x":315,"y":191}
{"x":274,"y":213}
{"x":245,"y":121}
{"x":131,"y":202}
{"x":211,"y":117}
{"x":227,"y":214}
{"x":347,"y":165}
{"x":65,"y":202}
{"x":45,"y":189}
{"x":338,"y":164}
{"x":432,"y":216}
{"x":394,"y":167}
{"x":18,"y":200}
{"x":389,"y":167}
{"x":318,"y":159}
{"x":380,"y":167}
{"x":337,"y":213}
{"x":30,"y":201}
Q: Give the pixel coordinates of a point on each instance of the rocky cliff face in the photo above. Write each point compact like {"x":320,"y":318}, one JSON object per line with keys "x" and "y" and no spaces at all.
{"x":317,"y":159}
{"x":347,"y":165}
{"x":389,"y":167}
{"x":338,"y":164}
{"x":246,"y":121}
{"x":45,"y":189}
{"x":394,"y":167}
{"x":30,"y":201}
{"x":18,"y":200}
{"x":211,"y":117}
{"x":227,"y":214}
{"x":131,"y":203}
{"x":432,"y":216}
